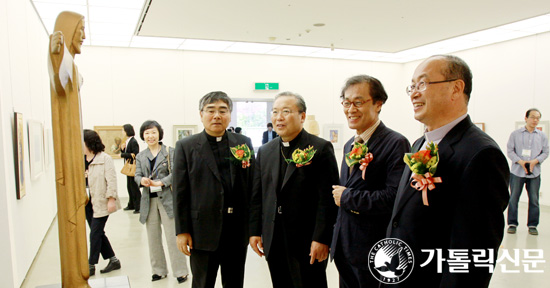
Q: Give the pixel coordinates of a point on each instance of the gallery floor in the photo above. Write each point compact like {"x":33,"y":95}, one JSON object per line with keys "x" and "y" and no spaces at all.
{"x":129,"y":240}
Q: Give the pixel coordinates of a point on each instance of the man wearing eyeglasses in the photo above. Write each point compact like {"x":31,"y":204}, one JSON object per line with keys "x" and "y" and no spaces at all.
{"x":464,"y":213}
{"x":365,"y":199}
{"x":527,"y":148}
{"x":211,"y":192}
{"x":292,"y":212}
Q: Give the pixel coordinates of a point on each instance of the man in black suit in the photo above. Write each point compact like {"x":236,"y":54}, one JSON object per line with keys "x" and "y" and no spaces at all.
{"x":365,"y":200}
{"x":130,"y":147}
{"x":465,"y":211}
{"x":211,"y":192}
{"x":269,"y":134}
{"x":292,"y":212}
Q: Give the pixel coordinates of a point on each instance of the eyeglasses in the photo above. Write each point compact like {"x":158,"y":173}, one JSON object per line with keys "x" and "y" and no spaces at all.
{"x":421,"y":86}
{"x":212,"y":112}
{"x":356,"y":104}
{"x":284,"y":112}
{"x":534,"y":117}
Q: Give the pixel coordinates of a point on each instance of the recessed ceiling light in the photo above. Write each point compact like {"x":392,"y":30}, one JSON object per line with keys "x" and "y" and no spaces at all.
{"x":319,"y":24}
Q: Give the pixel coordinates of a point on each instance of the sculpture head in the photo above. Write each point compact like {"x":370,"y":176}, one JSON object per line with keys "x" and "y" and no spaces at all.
{"x":71,"y":24}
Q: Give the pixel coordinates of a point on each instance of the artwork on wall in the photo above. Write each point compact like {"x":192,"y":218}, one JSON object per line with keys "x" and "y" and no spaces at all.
{"x":480,"y":125}
{"x":112,"y":137}
{"x":36,"y":148}
{"x":333,"y":133}
{"x":19,"y":156}
{"x":182,"y":131}
{"x":543,"y":126}
{"x":47,"y":147}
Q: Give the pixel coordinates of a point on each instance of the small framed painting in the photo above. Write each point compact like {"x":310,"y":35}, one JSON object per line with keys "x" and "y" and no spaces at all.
{"x":333,"y":133}
{"x":480,"y":125}
{"x":19,"y":150}
{"x":182,"y":131}
{"x":112,"y":137}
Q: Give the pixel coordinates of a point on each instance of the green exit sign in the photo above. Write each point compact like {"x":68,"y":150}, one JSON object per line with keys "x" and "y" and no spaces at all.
{"x":267,"y":86}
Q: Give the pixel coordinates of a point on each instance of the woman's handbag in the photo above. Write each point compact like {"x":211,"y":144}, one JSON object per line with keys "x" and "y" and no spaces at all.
{"x":129,"y":168}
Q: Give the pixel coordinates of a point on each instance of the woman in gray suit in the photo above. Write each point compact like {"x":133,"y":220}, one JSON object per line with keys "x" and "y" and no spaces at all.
{"x":154,"y":174}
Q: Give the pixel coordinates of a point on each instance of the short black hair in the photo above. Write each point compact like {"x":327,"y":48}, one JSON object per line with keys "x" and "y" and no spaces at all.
{"x":376,"y":89}
{"x":238,"y":130}
{"x":129,"y":129}
{"x":457,"y":69}
{"x":214,"y":97}
{"x":149,"y":124}
{"x":531,"y":110}
{"x":93,"y":141}
{"x":269,"y":125}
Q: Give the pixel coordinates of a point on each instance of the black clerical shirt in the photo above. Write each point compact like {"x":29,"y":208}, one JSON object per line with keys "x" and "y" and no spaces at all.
{"x":222,"y":155}
{"x":286,"y":153}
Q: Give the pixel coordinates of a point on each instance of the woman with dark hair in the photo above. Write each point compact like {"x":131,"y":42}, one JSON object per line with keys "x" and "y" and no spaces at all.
{"x":101,"y":188}
{"x":130,"y":149}
{"x":154,"y":174}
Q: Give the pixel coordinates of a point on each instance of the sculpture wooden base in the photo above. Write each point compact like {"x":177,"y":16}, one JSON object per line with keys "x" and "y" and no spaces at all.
{"x":117,"y":281}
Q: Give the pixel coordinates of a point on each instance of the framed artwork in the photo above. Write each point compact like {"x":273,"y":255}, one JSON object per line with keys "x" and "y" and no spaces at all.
{"x":480,"y":125}
{"x":36,"y":148}
{"x":112,"y":137}
{"x":47,"y":147}
{"x":19,"y":157}
{"x":543,"y":126}
{"x":182,"y":131}
{"x":333,"y":133}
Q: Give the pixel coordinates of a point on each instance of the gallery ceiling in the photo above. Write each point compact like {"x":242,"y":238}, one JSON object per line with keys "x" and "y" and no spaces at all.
{"x":390,"y":30}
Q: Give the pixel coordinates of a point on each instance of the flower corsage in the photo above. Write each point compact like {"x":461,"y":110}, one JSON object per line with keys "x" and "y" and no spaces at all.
{"x":242,"y":154}
{"x":359,"y":154}
{"x":423,"y":164}
{"x":302,"y":157}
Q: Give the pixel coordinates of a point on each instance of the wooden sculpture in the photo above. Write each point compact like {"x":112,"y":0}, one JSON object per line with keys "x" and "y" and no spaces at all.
{"x":65,"y":42}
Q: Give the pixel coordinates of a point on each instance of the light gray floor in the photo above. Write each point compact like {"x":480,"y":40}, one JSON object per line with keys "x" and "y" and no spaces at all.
{"x":129,"y":241}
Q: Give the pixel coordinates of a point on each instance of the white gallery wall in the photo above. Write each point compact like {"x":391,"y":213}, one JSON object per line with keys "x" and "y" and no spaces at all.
{"x":125,"y":85}
{"x":24,"y":88}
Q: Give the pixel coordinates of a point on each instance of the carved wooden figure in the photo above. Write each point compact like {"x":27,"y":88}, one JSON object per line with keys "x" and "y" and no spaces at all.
{"x":65,"y":42}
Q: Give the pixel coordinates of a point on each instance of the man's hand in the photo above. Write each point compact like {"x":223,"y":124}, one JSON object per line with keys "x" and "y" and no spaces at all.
{"x":56,"y":42}
{"x":522,"y":164}
{"x":337,"y":191}
{"x":257,"y":245}
{"x":319,"y":252}
{"x":185,"y":243}
{"x":532,"y":164}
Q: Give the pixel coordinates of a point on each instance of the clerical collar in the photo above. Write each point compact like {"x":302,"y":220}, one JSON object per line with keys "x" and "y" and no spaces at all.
{"x":438,"y":134}
{"x":292,"y":142}
{"x":216,"y":139}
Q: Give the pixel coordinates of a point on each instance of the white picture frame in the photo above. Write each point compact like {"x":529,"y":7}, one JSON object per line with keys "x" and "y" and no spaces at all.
{"x":333,"y":134}
{"x":36,"y":148}
{"x":182,"y":131}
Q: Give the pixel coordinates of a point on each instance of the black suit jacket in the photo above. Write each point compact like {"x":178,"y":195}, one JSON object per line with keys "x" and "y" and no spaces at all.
{"x":133,"y":147}
{"x":265,"y":139}
{"x":199,"y":194}
{"x":464,"y":212}
{"x":366,"y":205}
{"x":309,"y":211}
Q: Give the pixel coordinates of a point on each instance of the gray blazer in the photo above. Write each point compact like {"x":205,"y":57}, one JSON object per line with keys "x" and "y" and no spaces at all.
{"x":161,"y":172}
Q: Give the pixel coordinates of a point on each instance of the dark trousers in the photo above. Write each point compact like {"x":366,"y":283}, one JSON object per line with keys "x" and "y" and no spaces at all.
{"x":230,"y":256}
{"x":99,"y":243}
{"x":291,"y":269}
{"x":133,"y":193}
{"x":532,"y":185}
{"x":352,"y":276}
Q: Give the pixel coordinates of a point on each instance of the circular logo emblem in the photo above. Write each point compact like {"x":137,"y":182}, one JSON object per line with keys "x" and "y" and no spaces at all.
{"x":391,"y":261}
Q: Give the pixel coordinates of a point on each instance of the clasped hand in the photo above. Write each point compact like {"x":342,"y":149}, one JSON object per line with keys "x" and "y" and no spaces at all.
{"x":147,"y":182}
